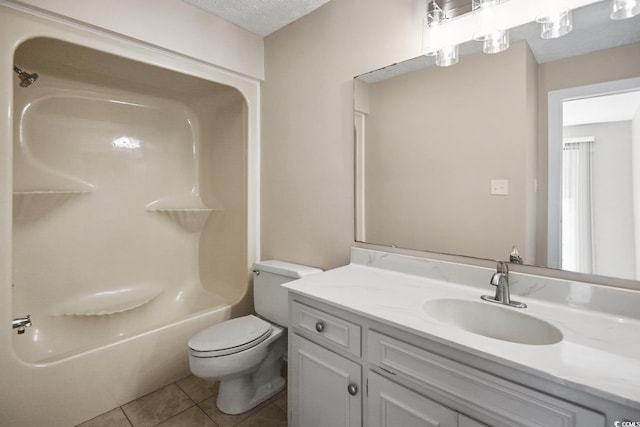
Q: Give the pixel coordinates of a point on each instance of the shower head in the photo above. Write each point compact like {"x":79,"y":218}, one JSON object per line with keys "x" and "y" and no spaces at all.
{"x":26,"y":79}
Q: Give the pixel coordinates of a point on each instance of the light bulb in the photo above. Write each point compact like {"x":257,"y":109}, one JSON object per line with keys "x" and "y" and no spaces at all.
{"x":623,"y":9}
{"x":488,"y":18}
{"x":447,"y":56}
{"x":496,"y":42}
{"x":556,"y":24}
{"x":432,"y":37}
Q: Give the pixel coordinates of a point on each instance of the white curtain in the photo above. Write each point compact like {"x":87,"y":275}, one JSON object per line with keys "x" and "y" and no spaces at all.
{"x":577,"y":229}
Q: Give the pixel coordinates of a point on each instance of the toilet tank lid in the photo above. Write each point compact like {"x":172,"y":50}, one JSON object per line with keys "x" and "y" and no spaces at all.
{"x":286,"y":269}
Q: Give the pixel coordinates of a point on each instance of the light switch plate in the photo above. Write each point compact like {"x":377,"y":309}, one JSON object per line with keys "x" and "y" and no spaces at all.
{"x":499,"y":187}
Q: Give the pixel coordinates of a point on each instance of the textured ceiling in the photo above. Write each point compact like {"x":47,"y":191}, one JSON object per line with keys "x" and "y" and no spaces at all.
{"x":261,"y":17}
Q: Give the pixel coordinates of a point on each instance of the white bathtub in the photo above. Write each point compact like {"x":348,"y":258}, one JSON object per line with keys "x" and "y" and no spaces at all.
{"x":130,"y":200}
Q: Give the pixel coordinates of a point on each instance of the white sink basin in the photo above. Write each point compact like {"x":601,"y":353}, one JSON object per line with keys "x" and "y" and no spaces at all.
{"x":493,"y":321}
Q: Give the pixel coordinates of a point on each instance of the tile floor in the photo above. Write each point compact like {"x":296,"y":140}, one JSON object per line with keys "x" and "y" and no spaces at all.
{"x":190,"y":402}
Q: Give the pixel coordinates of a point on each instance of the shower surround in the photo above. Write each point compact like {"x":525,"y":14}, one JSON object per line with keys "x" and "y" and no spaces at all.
{"x":129,"y":198}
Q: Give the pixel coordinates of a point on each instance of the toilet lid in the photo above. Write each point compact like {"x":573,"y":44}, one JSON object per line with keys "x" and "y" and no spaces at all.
{"x":230,"y":336}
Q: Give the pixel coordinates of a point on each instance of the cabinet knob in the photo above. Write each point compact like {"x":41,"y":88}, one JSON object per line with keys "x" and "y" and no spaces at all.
{"x":319,"y":326}
{"x":352,"y":389}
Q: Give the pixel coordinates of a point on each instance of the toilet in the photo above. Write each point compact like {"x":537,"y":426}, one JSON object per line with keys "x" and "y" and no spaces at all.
{"x":245,"y":353}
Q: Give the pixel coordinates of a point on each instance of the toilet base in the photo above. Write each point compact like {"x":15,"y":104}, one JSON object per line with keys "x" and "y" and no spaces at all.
{"x":244,"y":392}
{"x":230,"y":404}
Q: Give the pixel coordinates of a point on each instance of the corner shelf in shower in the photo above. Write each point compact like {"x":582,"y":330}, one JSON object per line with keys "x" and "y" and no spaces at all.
{"x":31,"y":205}
{"x":38,"y":189}
{"x":188,"y":211}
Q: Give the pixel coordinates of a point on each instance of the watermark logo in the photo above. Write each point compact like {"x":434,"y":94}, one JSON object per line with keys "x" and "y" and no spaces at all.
{"x":626,"y":423}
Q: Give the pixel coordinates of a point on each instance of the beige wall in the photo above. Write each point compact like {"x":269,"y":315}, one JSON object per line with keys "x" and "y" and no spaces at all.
{"x":170,"y":24}
{"x":307,"y":121}
{"x":435,"y":138}
{"x":307,"y":126}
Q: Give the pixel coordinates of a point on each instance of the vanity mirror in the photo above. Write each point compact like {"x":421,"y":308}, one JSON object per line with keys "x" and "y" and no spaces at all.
{"x":472,"y":159}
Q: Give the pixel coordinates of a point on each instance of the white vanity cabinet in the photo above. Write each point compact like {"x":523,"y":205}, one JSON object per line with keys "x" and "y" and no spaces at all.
{"x":347,"y":370}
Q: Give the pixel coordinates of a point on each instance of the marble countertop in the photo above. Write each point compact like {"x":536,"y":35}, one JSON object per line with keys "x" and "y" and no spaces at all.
{"x":599,"y":353}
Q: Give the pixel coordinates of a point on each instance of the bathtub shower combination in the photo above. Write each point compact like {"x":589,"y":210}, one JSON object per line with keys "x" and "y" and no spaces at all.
{"x":110,"y":215}
{"x":129,"y":228}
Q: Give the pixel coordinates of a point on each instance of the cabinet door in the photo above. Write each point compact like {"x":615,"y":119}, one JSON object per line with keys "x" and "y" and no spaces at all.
{"x":324,"y":388}
{"x":391,"y":405}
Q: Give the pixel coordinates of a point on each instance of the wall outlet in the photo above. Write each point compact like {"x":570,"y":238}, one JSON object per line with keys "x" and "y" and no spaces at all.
{"x":499,"y":187}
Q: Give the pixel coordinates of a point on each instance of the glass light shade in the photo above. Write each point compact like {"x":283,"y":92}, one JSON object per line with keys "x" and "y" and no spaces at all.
{"x":483,"y":4}
{"x":447,"y":56}
{"x":623,"y":9}
{"x":496,"y":42}
{"x":431,"y":37}
{"x":487,"y":17}
{"x":556,"y":24}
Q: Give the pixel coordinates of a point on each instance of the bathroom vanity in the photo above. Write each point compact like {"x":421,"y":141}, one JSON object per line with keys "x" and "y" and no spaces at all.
{"x":395,"y":340}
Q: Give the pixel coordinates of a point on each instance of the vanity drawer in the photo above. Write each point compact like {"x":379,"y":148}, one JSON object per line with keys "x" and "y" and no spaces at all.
{"x":325,"y":327}
{"x":503,"y":402}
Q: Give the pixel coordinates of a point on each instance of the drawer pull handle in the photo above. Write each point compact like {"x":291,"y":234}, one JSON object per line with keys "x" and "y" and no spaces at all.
{"x":352,"y":389}
{"x":320,"y":326}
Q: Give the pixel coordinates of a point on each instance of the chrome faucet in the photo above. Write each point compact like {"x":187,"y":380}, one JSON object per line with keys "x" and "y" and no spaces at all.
{"x":500,"y":279}
{"x":21,"y":323}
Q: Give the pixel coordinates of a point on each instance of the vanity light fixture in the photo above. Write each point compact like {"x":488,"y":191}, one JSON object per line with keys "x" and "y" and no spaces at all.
{"x":435,"y":19}
{"x":623,"y":9}
{"x":555,"y":16}
{"x":495,"y":38}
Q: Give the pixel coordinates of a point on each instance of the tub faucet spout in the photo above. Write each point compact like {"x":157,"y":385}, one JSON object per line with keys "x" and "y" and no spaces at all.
{"x":21,"y":323}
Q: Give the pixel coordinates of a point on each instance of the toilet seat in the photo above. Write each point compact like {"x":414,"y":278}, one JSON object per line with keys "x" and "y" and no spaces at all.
{"x":230,"y":336}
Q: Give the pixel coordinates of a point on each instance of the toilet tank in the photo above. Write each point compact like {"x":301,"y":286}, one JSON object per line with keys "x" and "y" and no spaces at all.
{"x":271,"y":299}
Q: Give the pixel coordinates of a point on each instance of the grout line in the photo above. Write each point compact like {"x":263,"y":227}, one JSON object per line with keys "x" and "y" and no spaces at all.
{"x":196,"y":404}
{"x":208,"y":416}
{"x":185,"y":392}
{"x":173,"y":416}
{"x":125,"y":415}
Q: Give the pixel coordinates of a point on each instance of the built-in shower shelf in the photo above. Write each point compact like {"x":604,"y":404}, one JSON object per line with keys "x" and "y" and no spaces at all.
{"x":187,"y":210}
{"x":108,"y":302}
{"x":189,"y":219}
{"x":31,"y":205}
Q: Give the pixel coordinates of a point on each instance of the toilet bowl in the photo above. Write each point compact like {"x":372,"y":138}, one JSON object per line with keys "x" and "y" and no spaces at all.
{"x":245,"y":354}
